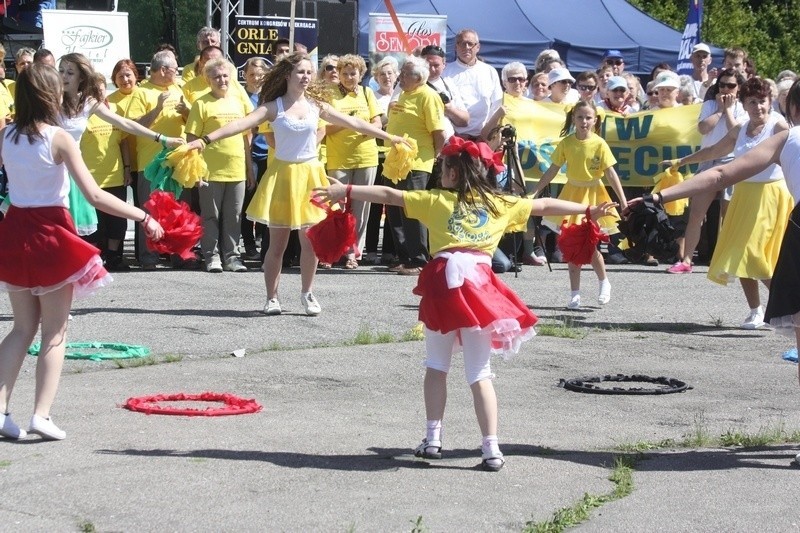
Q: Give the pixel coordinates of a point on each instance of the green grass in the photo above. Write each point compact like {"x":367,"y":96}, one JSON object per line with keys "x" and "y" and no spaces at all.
{"x":418,"y":526}
{"x":86,"y":527}
{"x":137,"y":362}
{"x":564,"y":329}
{"x":365,"y":335}
{"x":4,"y":464}
{"x":622,"y":478}
{"x":699,"y":437}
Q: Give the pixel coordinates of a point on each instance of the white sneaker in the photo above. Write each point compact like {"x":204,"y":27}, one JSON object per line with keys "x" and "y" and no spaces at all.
{"x":214,"y":266}
{"x":605,"y":292}
{"x":9,"y":429}
{"x":273,"y":307}
{"x":45,"y":428}
{"x":235,"y":264}
{"x":755,"y":319}
{"x":310,"y":304}
{"x":574,"y":302}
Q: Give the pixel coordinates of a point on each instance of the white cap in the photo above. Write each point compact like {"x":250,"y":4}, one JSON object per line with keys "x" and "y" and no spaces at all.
{"x":700,"y":47}
{"x":558,"y":74}
{"x":615,"y":82}
{"x":667,"y":79}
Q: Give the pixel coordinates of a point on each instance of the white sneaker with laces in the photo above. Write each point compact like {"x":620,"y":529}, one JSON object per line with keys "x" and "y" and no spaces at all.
{"x":310,"y":304}
{"x":273,"y":307}
{"x":574,"y":302}
{"x":605,"y":292}
{"x":755,"y":319}
{"x":45,"y":428}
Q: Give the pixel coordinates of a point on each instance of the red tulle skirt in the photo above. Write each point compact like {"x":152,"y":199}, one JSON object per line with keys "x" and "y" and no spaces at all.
{"x":41,"y":252}
{"x":489,"y":306}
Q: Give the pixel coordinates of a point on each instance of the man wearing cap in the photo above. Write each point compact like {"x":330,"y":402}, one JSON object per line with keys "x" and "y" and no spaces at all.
{"x":614,"y":59}
{"x":476,"y":82}
{"x":701,"y":60}
{"x":561,"y":92}
{"x":616,"y":99}
{"x":454,"y":112}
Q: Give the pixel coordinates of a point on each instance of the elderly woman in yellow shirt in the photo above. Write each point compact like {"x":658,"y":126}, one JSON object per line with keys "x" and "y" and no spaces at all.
{"x":228,"y":161}
{"x":353,"y":156}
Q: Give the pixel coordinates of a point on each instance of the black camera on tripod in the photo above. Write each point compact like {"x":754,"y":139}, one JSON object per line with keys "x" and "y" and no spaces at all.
{"x":508,"y":132}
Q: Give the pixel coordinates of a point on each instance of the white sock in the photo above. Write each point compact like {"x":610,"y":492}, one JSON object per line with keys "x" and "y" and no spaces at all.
{"x":573,"y":294}
{"x":490,"y":447}
{"x":434,"y":431}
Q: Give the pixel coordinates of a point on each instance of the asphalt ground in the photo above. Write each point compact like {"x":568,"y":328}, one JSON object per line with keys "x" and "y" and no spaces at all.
{"x":332,"y":448}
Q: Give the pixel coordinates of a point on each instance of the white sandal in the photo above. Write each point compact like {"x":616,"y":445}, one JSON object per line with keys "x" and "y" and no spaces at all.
{"x":429,"y":450}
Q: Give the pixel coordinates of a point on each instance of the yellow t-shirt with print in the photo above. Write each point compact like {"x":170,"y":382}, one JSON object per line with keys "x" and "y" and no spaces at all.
{"x":101,"y":151}
{"x":347,"y":149}
{"x":418,"y":113}
{"x":168,"y":122}
{"x":523,"y":114}
{"x":121,"y":104}
{"x":586,"y":160}
{"x":225,"y":158}
{"x":451,"y":225}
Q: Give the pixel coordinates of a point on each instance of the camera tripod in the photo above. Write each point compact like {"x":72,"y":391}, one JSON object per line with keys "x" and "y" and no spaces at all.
{"x":515,"y":185}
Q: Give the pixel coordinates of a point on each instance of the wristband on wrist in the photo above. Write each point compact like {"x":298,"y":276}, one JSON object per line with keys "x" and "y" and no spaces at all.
{"x":143,"y":222}
{"x":206,"y":140}
{"x":158,"y":137}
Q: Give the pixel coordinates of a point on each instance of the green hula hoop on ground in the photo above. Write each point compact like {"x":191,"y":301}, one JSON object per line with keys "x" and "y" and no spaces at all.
{"x":98,"y":351}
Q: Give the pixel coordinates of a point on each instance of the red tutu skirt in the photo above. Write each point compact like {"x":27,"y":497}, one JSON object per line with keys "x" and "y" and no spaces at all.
{"x":480,"y":303}
{"x":41,"y":252}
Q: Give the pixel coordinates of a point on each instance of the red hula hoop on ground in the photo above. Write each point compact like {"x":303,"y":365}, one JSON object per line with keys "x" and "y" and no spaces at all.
{"x":233,"y":404}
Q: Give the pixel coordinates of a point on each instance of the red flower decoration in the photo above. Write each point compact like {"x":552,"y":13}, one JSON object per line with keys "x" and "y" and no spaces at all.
{"x":479,"y":150}
{"x":182,"y":226}
{"x":332,"y":237}
{"x":579,"y":241}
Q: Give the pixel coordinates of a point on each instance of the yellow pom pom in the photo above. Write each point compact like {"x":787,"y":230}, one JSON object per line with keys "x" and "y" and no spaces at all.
{"x":399,"y":160}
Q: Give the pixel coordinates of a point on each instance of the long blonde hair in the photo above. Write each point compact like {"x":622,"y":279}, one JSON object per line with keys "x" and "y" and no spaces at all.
{"x":275,"y":81}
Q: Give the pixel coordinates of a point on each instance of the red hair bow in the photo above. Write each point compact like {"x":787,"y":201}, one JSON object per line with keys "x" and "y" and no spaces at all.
{"x":480,"y":150}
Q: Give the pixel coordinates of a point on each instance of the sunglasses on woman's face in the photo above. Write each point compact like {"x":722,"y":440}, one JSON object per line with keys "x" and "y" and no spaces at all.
{"x":728,"y":85}
{"x":330,"y":68}
{"x":516,"y":79}
{"x":587,"y":87}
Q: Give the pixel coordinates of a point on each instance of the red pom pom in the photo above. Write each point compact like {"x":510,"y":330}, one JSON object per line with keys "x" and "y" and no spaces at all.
{"x":182,"y":226}
{"x":332,"y":237}
{"x":579,"y":241}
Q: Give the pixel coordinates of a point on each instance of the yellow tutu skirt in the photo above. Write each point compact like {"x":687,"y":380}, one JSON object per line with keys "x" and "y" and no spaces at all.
{"x":751,"y":234}
{"x":592,"y":195}
{"x":282,"y":199}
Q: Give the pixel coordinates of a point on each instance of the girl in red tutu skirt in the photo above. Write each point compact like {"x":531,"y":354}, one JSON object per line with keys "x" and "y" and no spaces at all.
{"x":464,"y":305}
{"x":44,"y":262}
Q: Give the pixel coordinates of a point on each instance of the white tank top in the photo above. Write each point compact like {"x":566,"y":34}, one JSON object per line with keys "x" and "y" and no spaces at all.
{"x":295,"y":140}
{"x":34,"y":179}
{"x":790,"y":161}
{"x":744,"y":144}
{"x":76,"y":125}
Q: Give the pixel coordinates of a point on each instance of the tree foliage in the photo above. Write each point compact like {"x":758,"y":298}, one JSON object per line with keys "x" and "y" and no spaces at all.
{"x":767,"y":29}
{"x":147,"y":22}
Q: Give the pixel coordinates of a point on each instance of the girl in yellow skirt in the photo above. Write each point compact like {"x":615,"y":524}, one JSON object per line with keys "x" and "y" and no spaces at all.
{"x":588,"y":159}
{"x":294,"y":106}
{"x":756,"y":218}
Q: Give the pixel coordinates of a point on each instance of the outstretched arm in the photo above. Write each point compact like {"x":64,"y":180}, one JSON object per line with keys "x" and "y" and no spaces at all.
{"x":66,"y":149}
{"x":709,"y":153}
{"x":337,"y":191}
{"x":545,"y":180}
{"x":741,"y":168}
{"x":249,"y":121}
{"x":329,"y":114}
{"x":131,"y":126}
{"x":554,"y":206}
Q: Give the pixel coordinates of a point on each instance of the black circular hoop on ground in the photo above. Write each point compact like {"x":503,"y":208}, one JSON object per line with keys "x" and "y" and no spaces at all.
{"x":232,"y":405}
{"x":590,"y":384}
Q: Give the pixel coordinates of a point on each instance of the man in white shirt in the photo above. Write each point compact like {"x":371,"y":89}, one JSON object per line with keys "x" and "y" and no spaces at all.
{"x":477,"y":83}
{"x":701,"y":60}
{"x":454,"y":111}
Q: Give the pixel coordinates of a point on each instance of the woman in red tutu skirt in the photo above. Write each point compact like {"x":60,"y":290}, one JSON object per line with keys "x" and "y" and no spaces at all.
{"x":44,"y":262}
{"x":464,"y":305}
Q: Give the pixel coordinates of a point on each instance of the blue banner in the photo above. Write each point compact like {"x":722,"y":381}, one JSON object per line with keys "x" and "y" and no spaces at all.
{"x":691,"y":36}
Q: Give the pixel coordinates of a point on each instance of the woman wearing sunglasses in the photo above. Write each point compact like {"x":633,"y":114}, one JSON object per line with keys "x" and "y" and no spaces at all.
{"x":721,"y":112}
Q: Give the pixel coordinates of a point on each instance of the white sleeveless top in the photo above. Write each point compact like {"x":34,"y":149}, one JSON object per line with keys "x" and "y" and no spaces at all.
{"x":76,"y":125}
{"x":790,"y":161}
{"x":295,"y":140}
{"x":34,"y":179}
{"x":744,"y":144}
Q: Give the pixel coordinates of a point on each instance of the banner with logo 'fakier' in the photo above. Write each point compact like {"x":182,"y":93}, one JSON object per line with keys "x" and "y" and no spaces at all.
{"x":420,"y":31}
{"x":101,"y":36}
